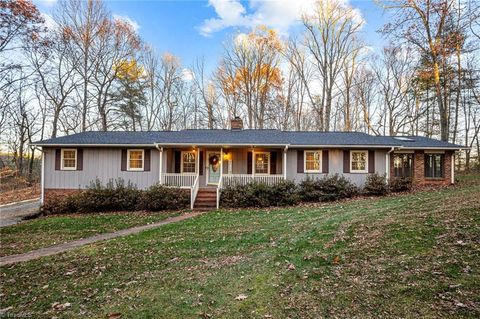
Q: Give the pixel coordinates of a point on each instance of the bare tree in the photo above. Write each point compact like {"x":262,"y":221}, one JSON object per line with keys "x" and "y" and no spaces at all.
{"x":332,"y":30}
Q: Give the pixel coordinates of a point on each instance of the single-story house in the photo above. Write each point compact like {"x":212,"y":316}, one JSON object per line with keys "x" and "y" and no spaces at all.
{"x":204,"y":161}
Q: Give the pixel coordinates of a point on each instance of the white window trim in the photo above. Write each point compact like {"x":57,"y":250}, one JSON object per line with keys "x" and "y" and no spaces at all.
{"x":62,"y":167}
{"x":255,"y":163}
{"x":181,"y":162}
{"x":128,"y":160}
{"x":366,"y":162}
{"x":305,"y":162}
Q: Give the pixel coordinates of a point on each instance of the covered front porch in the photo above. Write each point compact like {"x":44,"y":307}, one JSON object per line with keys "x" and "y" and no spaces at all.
{"x":195,"y":167}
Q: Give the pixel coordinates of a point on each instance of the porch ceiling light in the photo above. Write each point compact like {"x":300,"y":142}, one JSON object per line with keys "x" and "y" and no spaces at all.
{"x":227,"y":156}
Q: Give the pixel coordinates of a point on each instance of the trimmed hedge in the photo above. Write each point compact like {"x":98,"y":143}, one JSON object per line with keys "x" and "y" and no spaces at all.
{"x":118,"y":196}
{"x":259,"y":195}
{"x":328,"y":188}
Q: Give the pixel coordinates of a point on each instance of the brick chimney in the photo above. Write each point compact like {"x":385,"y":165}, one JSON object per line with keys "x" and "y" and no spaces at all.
{"x":236,"y":123}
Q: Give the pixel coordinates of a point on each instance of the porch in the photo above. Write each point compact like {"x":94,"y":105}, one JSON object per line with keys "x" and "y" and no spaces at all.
{"x":215,"y":168}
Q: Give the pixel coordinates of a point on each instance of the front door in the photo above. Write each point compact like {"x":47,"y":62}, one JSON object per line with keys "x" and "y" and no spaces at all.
{"x":214,"y":166}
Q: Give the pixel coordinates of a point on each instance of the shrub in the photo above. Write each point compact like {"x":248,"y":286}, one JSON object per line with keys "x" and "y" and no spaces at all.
{"x":403,"y":184}
{"x":375,"y":185}
{"x":259,"y":195}
{"x":328,"y":188}
{"x":115,"y":196}
{"x":159,"y":197}
{"x":118,"y":196}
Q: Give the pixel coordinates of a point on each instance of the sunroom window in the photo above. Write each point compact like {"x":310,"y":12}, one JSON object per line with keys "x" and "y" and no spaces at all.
{"x":402,"y":165}
{"x":434,"y":165}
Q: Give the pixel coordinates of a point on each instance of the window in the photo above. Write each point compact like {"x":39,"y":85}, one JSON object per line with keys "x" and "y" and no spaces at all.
{"x":188,"y":162}
{"x":313,"y":161}
{"x":434,"y":165}
{"x":262,"y":163}
{"x":135,"y":160}
{"x":402,"y":165}
{"x":358,"y":161}
{"x":69,"y":159}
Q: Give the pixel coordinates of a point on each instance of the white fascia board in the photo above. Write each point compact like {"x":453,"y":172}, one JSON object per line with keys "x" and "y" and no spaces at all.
{"x":95,"y":145}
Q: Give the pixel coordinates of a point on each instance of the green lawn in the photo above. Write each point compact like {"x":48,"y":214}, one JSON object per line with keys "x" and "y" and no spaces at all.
{"x":414,"y":255}
{"x":47,"y":231}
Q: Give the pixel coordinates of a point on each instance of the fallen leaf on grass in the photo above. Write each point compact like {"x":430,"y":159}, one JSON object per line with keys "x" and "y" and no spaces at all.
{"x":241,"y":297}
{"x":291,"y":267}
{"x":114,"y":315}
{"x":336,"y":260}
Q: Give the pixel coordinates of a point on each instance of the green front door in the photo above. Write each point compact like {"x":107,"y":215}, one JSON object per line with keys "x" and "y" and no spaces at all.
{"x":214,"y":166}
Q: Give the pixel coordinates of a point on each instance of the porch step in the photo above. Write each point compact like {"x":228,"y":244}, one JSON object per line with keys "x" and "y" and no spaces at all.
{"x":206,"y":199}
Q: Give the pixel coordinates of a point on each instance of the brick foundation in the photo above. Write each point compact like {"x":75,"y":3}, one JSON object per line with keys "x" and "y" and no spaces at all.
{"x":53,"y":193}
{"x":419,"y":170}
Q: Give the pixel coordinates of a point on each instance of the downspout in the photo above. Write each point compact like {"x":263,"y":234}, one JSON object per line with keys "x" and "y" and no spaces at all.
{"x":387,"y":159}
{"x":160,"y":150}
{"x":42,"y":176}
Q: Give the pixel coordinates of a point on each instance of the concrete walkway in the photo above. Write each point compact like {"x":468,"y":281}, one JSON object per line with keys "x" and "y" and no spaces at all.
{"x":10,"y":214}
{"x":57,"y":249}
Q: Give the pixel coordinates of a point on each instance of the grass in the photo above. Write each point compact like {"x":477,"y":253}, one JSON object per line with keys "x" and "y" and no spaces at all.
{"x":51,"y":230}
{"x":411,"y":255}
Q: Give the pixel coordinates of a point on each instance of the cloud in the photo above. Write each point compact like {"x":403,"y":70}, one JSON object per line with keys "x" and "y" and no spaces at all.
{"x":128,"y":20}
{"x":187,"y":75}
{"x":277,"y":14}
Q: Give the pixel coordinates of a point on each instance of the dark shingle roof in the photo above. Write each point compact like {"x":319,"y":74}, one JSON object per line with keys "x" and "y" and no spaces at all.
{"x":244,"y":137}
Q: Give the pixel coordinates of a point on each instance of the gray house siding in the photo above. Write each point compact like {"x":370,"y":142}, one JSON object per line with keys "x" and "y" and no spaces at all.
{"x":104,"y":164}
{"x":335,"y":161}
{"x":101,"y":163}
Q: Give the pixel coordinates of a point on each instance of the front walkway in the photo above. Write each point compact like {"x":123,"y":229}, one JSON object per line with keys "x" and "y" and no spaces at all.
{"x":57,"y":249}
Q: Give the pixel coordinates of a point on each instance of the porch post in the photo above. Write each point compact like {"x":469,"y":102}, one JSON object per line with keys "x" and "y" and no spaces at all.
{"x":285,"y":162}
{"x":160,"y":173}
{"x":253,"y":164}
{"x":197,"y":162}
{"x":221,"y":163}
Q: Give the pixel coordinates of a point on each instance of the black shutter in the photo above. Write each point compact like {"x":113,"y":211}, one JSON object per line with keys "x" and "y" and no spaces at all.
{"x":300,"y":161}
{"x":371,"y":161}
{"x":249,"y":162}
{"x":123,"y":164}
{"x":146,"y":160}
{"x":273,"y":162}
{"x":201,"y":163}
{"x":325,"y":161}
{"x":79,"y":159}
{"x":58,"y":158}
{"x":346,"y":161}
{"x":177,"y":158}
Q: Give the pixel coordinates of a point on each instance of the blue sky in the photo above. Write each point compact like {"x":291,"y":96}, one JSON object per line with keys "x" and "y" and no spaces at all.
{"x":193,"y":29}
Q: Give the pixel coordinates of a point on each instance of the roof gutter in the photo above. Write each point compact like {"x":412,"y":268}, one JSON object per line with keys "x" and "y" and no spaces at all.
{"x":220,"y":144}
{"x":94,"y":145}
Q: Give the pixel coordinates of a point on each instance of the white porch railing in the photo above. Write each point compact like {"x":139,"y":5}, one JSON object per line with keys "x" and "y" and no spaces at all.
{"x":243,"y":179}
{"x":178,"y":180}
{"x":194,"y":191}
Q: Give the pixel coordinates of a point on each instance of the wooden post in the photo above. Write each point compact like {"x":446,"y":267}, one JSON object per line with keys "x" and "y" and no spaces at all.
{"x":285,"y":162}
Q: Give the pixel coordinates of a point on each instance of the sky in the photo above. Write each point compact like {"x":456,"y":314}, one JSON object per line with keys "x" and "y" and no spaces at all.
{"x":192,"y":29}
